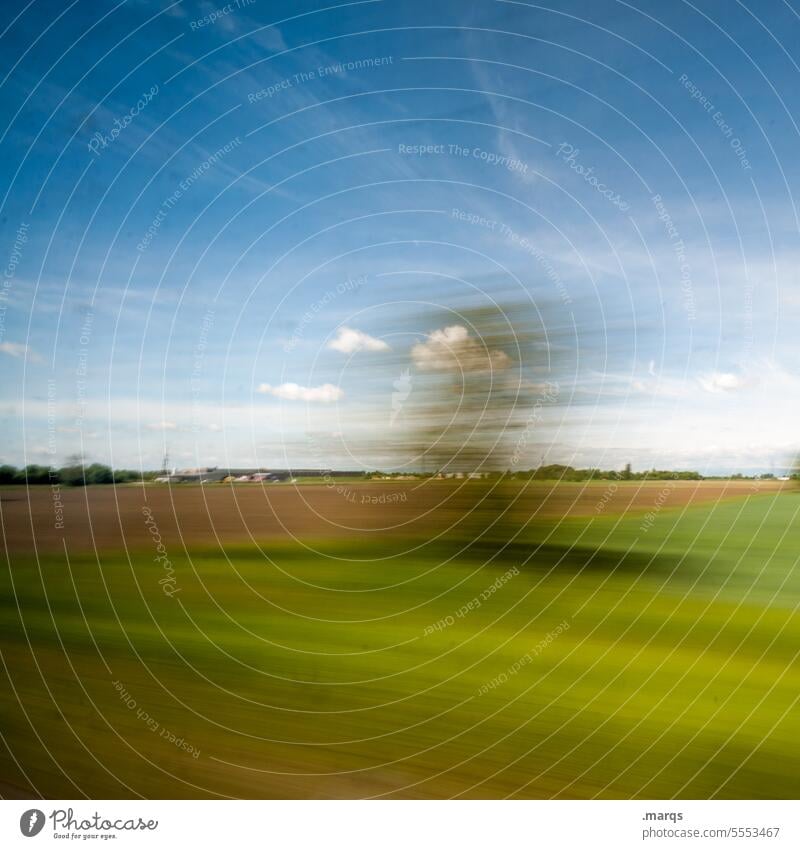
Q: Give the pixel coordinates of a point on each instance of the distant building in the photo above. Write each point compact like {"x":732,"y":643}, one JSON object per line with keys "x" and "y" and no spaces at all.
{"x":217,"y":475}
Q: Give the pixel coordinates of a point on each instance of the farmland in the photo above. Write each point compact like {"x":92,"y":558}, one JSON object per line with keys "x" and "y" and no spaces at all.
{"x":634,"y":642}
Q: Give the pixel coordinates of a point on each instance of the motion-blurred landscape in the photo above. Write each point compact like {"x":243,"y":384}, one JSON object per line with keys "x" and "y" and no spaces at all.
{"x":600,"y":654}
{"x":399,"y":400}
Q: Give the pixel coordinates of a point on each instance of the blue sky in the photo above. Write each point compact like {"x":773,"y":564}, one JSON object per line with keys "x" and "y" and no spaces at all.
{"x":197,"y":197}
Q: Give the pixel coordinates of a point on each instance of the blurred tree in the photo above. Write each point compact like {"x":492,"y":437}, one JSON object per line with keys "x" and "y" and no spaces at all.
{"x":8,"y":474}
{"x":34,"y":474}
{"x":73,"y":474}
{"x":477,"y":410}
{"x":98,"y":473}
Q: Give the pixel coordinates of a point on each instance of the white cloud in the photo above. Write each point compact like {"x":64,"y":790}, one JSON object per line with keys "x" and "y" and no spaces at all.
{"x":453,"y":349}
{"x":162,"y":426}
{"x":720,"y":381}
{"x":17,"y":349}
{"x":348,"y":341}
{"x":294,"y":392}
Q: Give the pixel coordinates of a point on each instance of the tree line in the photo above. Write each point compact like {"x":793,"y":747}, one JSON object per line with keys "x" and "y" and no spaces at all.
{"x":75,"y":474}
{"x":80,"y":474}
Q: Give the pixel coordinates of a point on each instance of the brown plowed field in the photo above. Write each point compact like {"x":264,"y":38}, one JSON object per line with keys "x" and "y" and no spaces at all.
{"x":111,"y":518}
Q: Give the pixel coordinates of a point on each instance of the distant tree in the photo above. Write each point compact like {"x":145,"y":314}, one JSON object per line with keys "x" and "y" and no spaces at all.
{"x":74,"y":473}
{"x":34,"y":474}
{"x":8,"y":474}
{"x":127,"y":476}
{"x":98,"y":473}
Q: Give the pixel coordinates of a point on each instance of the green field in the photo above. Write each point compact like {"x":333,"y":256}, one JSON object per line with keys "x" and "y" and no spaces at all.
{"x":671,"y":669}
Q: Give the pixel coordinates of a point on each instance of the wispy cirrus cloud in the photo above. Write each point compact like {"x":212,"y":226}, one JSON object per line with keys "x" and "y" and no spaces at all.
{"x":19,"y":351}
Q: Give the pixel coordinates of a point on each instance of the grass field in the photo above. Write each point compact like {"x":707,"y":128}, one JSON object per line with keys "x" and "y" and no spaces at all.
{"x":645,"y":652}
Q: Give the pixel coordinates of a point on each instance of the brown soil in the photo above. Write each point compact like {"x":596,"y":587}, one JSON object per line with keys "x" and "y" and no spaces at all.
{"x":113,"y":518}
